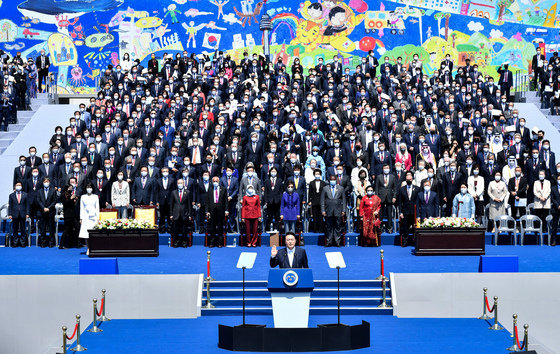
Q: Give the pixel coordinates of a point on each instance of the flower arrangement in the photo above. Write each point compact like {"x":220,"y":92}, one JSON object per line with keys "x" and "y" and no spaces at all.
{"x":433,"y":223}
{"x":122,"y":224}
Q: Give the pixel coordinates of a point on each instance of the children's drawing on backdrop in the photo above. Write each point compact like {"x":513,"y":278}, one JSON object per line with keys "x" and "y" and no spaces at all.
{"x":247,"y":12}
{"x":220,"y":4}
{"x":47,"y":10}
{"x":83,"y":36}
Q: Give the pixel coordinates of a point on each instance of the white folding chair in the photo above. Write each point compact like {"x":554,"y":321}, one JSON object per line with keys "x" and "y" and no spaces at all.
{"x":502,"y":225}
{"x":527,"y":223}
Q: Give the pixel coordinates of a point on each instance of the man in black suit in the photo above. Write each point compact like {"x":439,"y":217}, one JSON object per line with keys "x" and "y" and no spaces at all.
{"x":537,"y":64}
{"x":452,"y":186}
{"x":46,"y":200}
{"x":289,"y":257}
{"x":506,"y":80}
{"x":43,"y":63}
{"x":22,"y":172}
{"x":427,"y":204}
{"x":517,"y":187}
{"x":407,"y":197}
{"x":555,"y":210}
{"x":315,"y":190}
{"x":181,"y":213}
{"x":386,"y":189}
{"x":273,"y":190}
{"x":18,"y":212}
{"x":164,"y":186}
{"x":333,"y":205}
{"x":142,"y":189}
{"x":216,"y":212}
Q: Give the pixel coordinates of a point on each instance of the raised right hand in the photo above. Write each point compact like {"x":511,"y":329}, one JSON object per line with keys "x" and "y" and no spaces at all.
{"x":273,"y":252}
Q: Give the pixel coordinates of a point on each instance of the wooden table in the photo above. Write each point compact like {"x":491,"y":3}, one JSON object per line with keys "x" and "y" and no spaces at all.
{"x":124,"y":243}
{"x":450,"y":241}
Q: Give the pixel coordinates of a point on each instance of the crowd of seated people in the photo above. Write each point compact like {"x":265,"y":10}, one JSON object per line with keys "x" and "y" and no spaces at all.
{"x":223,"y":146}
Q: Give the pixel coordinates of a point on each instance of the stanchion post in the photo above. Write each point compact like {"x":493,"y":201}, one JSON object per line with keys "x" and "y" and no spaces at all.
{"x":526,"y":337}
{"x":383,"y":304}
{"x":514,"y":347}
{"x":208,"y":280}
{"x":103,"y":318}
{"x":496,"y":326}
{"x":382,"y":266}
{"x":208,"y":266}
{"x":95,"y":329}
{"x":484,"y":315}
{"x":78,"y":347}
{"x":64,"y":343}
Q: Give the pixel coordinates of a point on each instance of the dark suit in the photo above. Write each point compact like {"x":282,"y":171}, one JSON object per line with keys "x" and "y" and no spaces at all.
{"x":163,"y":200}
{"x":555,"y":211}
{"x":231,"y":184}
{"x":181,"y":209}
{"x":217,"y":211}
{"x":451,"y":186}
{"x":20,"y":176}
{"x":426,"y":209}
{"x":18,"y":211}
{"x":42,"y":63}
{"x":521,"y":192}
{"x":386,"y":192}
{"x":332,"y":207}
{"x":281,"y":259}
{"x":272,"y":198}
{"x":142,"y":195}
{"x":408,"y":208}
{"x":46,"y":219}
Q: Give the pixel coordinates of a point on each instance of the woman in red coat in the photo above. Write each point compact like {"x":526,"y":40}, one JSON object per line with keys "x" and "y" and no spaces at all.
{"x":251,"y":214}
{"x":369,"y":212}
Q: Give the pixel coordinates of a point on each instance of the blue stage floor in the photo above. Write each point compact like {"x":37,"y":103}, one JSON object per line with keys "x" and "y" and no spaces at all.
{"x":388,"y":335}
{"x":362,"y":263}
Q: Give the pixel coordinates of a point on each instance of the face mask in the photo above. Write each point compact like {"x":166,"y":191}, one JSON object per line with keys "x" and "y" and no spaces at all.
{"x":215,"y":184}
{"x":89,"y":190}
{"x":205,"y":178}
{"x":120,"y":177}
{"x":421,"y":167}
{"x":67,"y":160}
{"x":369,"y":193}
{"x":273,"y":174}
{"x":426,"y":188}
{"x":317,"y":177}
{"x":517,"y":174}
{"x":498,"y":178}
{"x":386,"y":171}
{"x":452,"y":168}
{"x":250,"y":192}
{"x":546,"y":147}
{"x":332,"y":182}
{"x":535,"y":156}
{"x":541,"y":177}
{"x":180,"y":186}
{"x":250,"y":174}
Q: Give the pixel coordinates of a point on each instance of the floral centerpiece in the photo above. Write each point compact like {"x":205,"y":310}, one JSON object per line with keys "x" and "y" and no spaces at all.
{"x":463,"y":223}
{"x":122,"y":224}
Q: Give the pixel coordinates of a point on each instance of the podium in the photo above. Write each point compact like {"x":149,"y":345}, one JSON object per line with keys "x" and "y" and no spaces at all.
{"x":290,"y":290}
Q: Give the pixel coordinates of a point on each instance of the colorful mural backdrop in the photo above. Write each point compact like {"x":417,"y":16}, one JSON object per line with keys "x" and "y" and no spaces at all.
{"x":83,"y":36}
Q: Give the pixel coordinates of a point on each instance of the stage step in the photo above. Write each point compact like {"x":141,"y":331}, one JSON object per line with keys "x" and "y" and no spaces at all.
{"x":356,"y":296}
{"x":323,"y":310}
{"x":225,"y":292}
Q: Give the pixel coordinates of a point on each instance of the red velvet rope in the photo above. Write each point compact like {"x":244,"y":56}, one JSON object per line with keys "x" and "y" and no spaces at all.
{"x":73,"y":334}
{"x":208,"y":268}
{"x":382,"y":267}
{"x":488,"y":306}
{"x":517,"y":339}
{"x":101,"y":307}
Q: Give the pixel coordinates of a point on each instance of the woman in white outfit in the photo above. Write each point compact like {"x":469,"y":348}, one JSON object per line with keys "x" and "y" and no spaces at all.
{"x":89,"y":211}
{"x":120,"y":195}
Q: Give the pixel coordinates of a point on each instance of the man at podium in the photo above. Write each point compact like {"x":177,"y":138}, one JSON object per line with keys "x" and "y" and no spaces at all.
{"x":289,"y":257}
